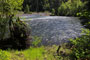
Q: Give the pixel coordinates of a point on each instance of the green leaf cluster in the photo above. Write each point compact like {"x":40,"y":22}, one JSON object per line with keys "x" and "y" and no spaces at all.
{"x":27,"y":9}
{"x":81,"y":46}
{"x":37,"y":40}
{"x":71,"y":7}
{"x":4,"y":55}
{"x":3,"y":27}
{"x":8,"y":7}
{"x":84,"y":14}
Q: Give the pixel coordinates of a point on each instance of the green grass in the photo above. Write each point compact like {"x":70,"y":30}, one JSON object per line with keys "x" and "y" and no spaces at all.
{"x":37,"y":53}
{"x":33,"y":53}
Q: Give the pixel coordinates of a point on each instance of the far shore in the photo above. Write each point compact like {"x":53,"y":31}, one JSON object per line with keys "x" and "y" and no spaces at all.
{"x":33,"y":13}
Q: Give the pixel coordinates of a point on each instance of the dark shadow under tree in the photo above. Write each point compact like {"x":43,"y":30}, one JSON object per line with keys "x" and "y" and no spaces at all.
{"x":19,"y":35}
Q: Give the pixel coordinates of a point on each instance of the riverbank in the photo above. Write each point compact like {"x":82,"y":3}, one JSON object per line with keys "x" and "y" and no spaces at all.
{"x":32,"y":53}
{"x":33,"y":13}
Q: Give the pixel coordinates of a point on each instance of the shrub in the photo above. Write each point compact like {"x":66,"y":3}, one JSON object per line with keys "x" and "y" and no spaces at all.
{"x":76,"y":49}
{"x":53,"y":11}
{"x":71,"y":7}
{"x":20,"y":34}
{"x":3,"y":27}
{"x":84,"y":14}
{"x":4,"y":55}
{"x":36,"y":41}
{"x":87,"y":25}
{"x":81,"y":46}
{"x":27,"y":9}
{"x":85,"y":18}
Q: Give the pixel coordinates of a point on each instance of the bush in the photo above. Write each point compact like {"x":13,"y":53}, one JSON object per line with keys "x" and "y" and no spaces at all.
{"x":4,"y":55}
{"x":76,"y":49}
{"x":71,"y":7}
{"x":85,"y":18}
{"x":27,"y":9}
{"x":81,"y":46}
{"x":53,"y":11}
{"x":84,"y":14}
{"x":19,"y":34}
{"x":36,"y":41}
{"x":3,"y":27}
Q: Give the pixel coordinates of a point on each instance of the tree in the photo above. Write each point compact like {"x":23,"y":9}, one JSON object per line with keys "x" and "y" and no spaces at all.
{"x":36,"y":5}
{"x":27,"y":9}
{"x":18,"y":30}
{"x":71,"y":7}
{"x":88,"y":5}
{"x":8,"y":7}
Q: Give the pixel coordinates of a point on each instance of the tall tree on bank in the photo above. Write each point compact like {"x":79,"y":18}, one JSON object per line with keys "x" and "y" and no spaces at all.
{"x":35,"y":5}
{"x":43,"y":5}
{"x":7,"y":9}
{"x":17,"y":29}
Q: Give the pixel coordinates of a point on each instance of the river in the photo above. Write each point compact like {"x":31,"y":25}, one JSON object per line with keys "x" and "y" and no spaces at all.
{"x":53,"y":29}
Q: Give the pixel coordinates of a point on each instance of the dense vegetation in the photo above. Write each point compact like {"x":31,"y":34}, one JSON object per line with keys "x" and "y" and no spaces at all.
{"x":16,"y":31}
{"x":56,"y":7}
{"x":78,"y":48}
{"x":7,"y":8}
{"x":81,"y":46}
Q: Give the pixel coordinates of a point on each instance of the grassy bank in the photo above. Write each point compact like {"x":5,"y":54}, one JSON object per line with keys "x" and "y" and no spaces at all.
{"x":33,"y":53}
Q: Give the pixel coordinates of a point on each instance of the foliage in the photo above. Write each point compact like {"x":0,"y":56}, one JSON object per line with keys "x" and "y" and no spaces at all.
{"x":46,"y":5}
{"x":20,"y":34}
{"x":42,"y":53}
{"x":61,"y":7}
{"x":81,"y":46}
{"x":76,"y":49}
{"x":37,"y":41}
{"x":16,"y":35}
{"x":3,"y":27}
{"x":42,"y":5}
{"x":4,"y":55}
{"x":71,"y":7}
{"x":4,"y":8}
{"x":36,"y":5}
{"x":8,"y":7}
{"x":88,"y":5}
{"x":27,"y":9}
{"x":85,"y":18}
{"x":17,"y":29}
{"x":87,"y":25}
{"x":84,"y":14}
{"x":53,"y":11}
{"x":32,"y":53}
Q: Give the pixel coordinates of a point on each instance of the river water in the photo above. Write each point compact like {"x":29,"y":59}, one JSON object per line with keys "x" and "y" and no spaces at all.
{"x":53,"y":29}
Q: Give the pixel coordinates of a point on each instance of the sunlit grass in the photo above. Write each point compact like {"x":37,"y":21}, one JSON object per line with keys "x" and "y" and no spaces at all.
{"x":32,"y":53}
